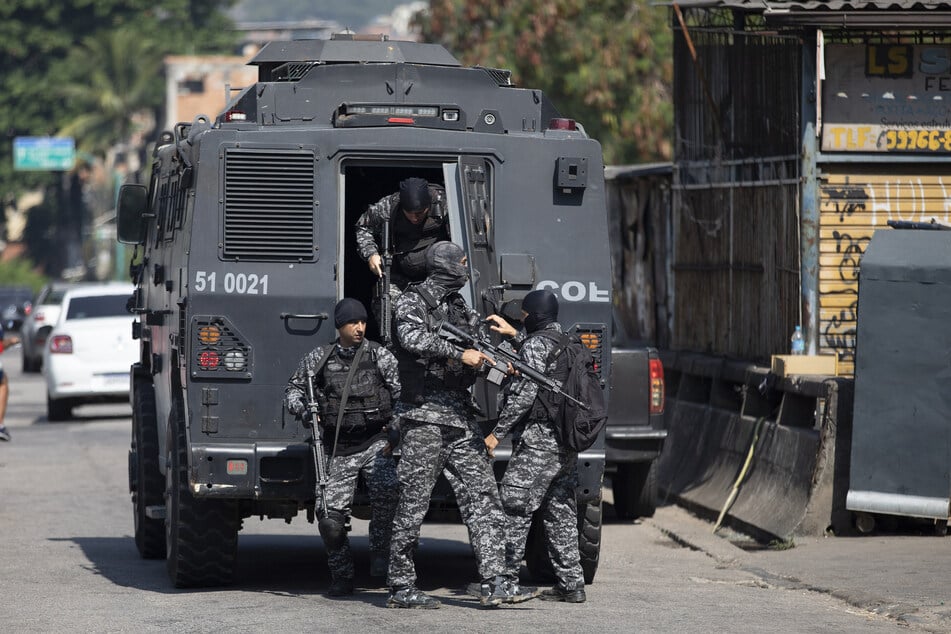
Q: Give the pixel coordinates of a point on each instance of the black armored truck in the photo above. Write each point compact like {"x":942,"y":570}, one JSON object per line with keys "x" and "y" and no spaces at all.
{"x":244,"y":240}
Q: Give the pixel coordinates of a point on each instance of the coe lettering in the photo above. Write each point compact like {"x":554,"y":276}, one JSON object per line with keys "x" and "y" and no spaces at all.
{"x":573,"y":291}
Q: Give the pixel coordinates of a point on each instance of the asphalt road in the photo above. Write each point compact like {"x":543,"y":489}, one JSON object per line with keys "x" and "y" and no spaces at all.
{"x":68,"y":562}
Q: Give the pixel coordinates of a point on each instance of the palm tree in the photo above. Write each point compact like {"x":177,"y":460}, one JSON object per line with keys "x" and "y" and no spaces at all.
{"x":117,"y":88}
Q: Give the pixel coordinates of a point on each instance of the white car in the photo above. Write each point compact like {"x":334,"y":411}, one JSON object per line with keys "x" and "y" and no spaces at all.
{"x":39,"y":322}
{"x":90,"y":349}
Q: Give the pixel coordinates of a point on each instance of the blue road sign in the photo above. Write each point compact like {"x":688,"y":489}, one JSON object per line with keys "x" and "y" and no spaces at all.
{"x":43,"y":153}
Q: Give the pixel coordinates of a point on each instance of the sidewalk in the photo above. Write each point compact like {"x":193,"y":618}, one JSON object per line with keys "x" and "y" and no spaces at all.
{"x":904,"y":577}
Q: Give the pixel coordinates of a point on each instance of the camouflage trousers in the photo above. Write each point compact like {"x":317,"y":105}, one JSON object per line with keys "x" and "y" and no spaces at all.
{"x":379,"y":473}
{"x":426,"y":450}
{"x":545,"y":481}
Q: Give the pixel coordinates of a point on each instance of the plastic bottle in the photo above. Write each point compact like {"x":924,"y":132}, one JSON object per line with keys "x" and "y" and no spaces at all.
{"x":797,"y":341}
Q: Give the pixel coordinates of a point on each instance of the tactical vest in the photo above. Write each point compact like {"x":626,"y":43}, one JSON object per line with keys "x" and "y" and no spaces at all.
{"x":421,"y":375}
{"x":411,"y":241}
{"x":368,"y":403}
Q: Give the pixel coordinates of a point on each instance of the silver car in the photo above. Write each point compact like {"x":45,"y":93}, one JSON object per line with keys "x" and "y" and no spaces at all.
{"x":39,"y":322}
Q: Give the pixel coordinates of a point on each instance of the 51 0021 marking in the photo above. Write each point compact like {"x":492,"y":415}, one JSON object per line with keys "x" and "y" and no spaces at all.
{"x":231,"y":283}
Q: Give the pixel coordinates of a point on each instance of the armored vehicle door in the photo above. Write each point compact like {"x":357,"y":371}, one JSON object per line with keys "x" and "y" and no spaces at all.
{"x":471,"y":222}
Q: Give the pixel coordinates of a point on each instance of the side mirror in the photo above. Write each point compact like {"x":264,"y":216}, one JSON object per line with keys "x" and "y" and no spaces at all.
{"x":130,"y":220}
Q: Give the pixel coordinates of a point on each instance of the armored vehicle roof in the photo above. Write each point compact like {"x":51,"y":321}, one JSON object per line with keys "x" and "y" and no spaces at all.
{"x":348,"y":50}
{"x":361,"y":81}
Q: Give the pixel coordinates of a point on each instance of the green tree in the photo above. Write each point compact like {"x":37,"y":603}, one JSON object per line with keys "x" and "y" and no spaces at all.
{"x":607,"y":63}
{"x":113,"y":90}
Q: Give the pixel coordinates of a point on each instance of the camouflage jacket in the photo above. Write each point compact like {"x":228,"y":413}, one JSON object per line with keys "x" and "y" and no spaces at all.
{"x":295,"y":394}
{"x":416,"y":325}
{"x":519,"y":395}
{"x":369,"y":227}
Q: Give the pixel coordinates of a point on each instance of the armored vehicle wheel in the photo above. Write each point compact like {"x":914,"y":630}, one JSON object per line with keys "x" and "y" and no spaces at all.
{"x":589,"y":545}
{"x":31,"y":364}
{"x":635,"y":490}
{"x":201,"y":535}
{"x":589,"y":538}
{"x":146,"y":482}
{"x":58,"y":409}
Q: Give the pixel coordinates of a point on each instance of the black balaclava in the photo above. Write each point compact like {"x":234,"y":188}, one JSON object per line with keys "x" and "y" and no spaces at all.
{"x":414,"y":194}
{"x":444,"y":266}
{"x":347,"y":310}
{"x":542,"y":309}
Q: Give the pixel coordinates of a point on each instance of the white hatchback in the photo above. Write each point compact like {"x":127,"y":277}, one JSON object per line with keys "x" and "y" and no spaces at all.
{"x":90,"y":349}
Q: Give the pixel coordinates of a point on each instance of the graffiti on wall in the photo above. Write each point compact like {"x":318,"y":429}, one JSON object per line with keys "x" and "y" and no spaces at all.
{"x":853,"y":207}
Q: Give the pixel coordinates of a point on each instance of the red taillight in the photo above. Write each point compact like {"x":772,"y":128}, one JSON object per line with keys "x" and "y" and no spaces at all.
{"x":61,"y":344}
{"x":656,"y":369}
{"x":562,"y":124}
{"x":209,"y":359}
{"x":404,"y":120}
{"x":235,"y":115}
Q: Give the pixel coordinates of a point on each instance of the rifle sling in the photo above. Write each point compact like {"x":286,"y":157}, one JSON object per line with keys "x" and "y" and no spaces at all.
{"x":346,"y":393}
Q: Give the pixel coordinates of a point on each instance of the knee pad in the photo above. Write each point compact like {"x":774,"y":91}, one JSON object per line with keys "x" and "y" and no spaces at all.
{"x":516,"y":500}
{"x":333,"y":529}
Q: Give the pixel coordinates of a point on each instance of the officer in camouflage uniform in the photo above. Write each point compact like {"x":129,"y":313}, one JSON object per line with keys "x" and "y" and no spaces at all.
{"x":360,"y":444}
{"x":439,"y":431}
{"x":542,"y":474}
{"x":422,"y":221}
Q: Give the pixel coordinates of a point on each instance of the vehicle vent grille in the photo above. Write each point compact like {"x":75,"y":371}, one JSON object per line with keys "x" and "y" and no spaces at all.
{"x":592,"y":336}
{"x":501,"y":76}
{"x":292,"y":71}
{"x":269,"y":205}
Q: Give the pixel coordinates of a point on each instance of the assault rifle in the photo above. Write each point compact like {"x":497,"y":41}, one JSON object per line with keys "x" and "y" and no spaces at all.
{"x":504,"y":354}
{"x":383,"y":289}
{"x":320,"y":467}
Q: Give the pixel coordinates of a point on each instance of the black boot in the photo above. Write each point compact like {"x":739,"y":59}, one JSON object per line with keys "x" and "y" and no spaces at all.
{"x":340,"y":588}
{"x":559,"y":593}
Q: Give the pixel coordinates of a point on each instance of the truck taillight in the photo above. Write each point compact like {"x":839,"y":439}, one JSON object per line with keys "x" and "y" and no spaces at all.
{"x":61,"y":344}
{"x":562,"y":124}
{"x":219,"y":348}
{"x":656,"y":369}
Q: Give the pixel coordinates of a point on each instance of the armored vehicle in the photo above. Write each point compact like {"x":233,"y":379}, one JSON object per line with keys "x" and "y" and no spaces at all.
{"x":245,"y":240}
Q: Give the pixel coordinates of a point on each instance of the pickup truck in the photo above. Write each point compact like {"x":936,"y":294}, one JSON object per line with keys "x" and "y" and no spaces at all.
{"x":635,"y":432}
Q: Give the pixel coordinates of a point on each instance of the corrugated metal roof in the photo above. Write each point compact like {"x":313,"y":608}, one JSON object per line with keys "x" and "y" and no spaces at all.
{"x":819,"y":5}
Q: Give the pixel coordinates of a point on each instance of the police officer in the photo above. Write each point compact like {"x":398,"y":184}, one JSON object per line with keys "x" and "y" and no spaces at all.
{"x":542,"y":474}
{"x":359,"y":444}
{"x":421,"y":222}
{"x":440,"y":431}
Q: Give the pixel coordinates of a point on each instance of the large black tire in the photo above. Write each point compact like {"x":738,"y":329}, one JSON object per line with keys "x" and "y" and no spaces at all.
{"x":589,"y":545}
{"x":146,"y":482}
{"x":31,"y":365}
{"x":635,"y":490}
{"x":589,"y":538}
{"x":201,"y":535}
{"x":58,"y":409}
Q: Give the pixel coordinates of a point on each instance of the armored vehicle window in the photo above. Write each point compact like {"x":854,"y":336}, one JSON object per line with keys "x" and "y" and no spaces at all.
{"x":269,"y":204}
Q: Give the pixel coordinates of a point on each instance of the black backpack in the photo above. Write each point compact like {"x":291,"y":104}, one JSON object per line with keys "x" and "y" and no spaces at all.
{"x":576,"y":427}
